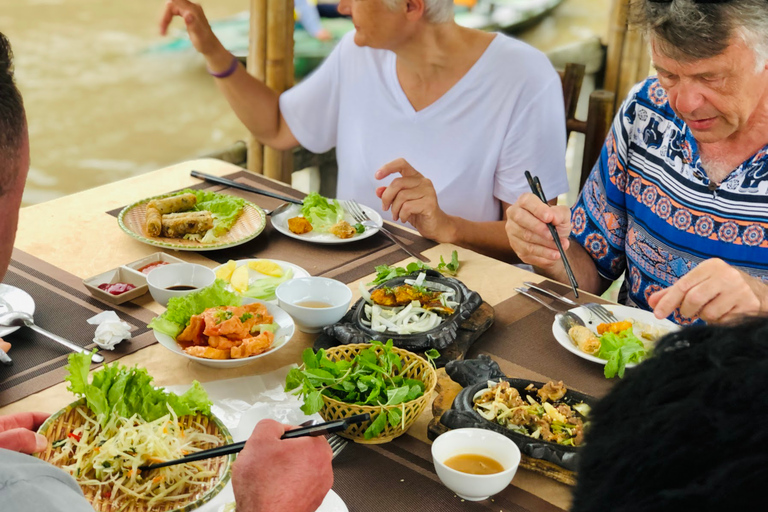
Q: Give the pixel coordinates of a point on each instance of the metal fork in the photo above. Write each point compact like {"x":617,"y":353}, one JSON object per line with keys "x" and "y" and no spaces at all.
{"x":360,"y":216}
{"x":598,"y":310}
{"x":337,"y":443}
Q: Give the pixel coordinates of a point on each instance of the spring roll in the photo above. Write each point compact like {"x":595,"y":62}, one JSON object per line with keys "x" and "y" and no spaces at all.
{"x":585,"y":339}
{"x":154,"y":221}
{"x":176,"y":225}
{"x":173,"y":204}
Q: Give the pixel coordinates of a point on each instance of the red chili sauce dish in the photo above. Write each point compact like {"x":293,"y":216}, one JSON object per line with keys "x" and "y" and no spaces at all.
{"x":116,"y":288}
{"x":146,"y":268}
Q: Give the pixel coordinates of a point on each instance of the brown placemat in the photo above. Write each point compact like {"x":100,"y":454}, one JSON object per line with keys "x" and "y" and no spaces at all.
{"x":521,"y":341}
{"x":345,"y":262}
{"x":399,"y":475}
{"x":62,"y":306}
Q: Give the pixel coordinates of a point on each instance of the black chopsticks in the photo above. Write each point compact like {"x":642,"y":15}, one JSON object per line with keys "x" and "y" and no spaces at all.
{"x":538,"y":191}
{"x":240,"y":186}
{"x":314,"y":430}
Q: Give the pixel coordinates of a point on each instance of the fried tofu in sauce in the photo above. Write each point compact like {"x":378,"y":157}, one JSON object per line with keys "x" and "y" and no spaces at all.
{"x":225,"y":332}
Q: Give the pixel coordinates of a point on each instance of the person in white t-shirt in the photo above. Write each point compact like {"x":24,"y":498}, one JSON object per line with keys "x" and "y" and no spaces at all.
{"x":433,"y":122}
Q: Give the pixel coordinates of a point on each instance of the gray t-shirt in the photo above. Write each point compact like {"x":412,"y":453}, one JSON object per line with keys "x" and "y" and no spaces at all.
{"x":30,"y":484}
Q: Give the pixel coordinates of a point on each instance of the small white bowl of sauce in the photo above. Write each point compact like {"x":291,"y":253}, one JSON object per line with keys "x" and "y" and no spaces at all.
{"x":177,"y":280}
{"x":475,"y":463}
{"x":314,"y":302}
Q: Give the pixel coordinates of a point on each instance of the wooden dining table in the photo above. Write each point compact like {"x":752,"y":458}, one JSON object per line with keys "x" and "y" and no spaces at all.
{"x":79,"y":235}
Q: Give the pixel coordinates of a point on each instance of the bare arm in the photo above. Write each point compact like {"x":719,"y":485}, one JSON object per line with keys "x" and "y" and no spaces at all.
{"x":255,"y":104}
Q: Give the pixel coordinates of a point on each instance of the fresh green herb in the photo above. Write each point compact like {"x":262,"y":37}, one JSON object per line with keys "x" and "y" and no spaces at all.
{"x":431,"y":355}
{"x":384,"y":272}
{"x":223,"y":316}
{"x":118,"y":390}
{"x":359,"y":228}
{"x":619,"y":350}
{"x":245,"y":317}
{"x":451,"y":268}
{"x":370,"y":378}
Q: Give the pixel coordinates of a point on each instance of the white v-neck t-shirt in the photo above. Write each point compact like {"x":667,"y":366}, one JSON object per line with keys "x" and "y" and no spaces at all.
{"x":505,"y":115}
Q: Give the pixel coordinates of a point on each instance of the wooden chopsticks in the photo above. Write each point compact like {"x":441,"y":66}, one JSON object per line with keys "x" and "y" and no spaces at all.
{"x":314,"y":430}
{"x":538,"y":191}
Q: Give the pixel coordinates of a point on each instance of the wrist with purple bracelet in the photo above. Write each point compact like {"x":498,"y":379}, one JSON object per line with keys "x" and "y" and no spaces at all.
{"x":227,"y":72}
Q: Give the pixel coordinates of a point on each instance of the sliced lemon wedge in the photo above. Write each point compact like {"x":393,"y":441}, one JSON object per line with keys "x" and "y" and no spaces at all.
{"x":267,"y":267}
{"x":240,"y":279}
{"x":225,"y":271}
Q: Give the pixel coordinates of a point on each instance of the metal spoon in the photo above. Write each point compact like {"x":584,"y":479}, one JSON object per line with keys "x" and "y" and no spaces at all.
{"x":20,"y":319}
{"x":566,"y":320}
{"x":279,"y":209}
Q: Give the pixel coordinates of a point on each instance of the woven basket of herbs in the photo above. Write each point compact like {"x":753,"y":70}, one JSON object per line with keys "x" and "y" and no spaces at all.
{"x":391,"y":384}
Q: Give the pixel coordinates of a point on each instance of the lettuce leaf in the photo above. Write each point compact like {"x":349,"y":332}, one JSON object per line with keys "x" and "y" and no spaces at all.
{"x":181,"y":309}
{"x":225,"y":209}
{"x":123,"y":391}
{"x":619,"y":350}
{"x":321,"y":213}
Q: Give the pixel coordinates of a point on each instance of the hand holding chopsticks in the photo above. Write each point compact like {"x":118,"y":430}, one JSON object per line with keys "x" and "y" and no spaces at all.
{"x":313,"y":430}
{"x":538,"y":191}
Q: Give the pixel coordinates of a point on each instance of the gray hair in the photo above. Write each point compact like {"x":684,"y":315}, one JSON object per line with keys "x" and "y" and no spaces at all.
{"x":435,"y":11}
{"x":685,"y":30}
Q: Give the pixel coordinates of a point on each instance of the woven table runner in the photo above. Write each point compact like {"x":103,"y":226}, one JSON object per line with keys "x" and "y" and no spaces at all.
{"x":345,"y":262}
{"x":521,"y":341}
{"x":62,"y":306}
{"x":400,"y":476}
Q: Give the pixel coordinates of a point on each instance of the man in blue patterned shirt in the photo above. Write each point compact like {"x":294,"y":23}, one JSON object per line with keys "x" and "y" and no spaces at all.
{"x":679,"y":197}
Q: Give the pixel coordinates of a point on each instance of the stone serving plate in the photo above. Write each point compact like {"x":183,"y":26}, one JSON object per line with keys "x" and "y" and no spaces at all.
{"x":351,"y":329}
{"x":473,"y":375}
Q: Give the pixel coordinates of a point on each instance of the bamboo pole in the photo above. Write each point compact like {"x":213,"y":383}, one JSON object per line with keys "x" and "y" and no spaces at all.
{"x":278,"y":21}
{"x":256,"y":66}
{"x":634,"y":56}
{"x":617,"y":30}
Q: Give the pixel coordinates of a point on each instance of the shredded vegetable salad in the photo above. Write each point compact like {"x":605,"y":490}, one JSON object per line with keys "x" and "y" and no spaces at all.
{"x":415,"y":316}
{"x":109,"y":457}
{"x":126,"y":423}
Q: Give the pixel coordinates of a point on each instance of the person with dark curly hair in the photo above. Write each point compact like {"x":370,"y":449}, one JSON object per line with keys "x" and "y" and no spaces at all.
{"x":685,"y":430}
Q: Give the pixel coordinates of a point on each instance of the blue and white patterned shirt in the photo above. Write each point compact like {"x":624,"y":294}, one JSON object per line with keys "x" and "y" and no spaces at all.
{"x":647,"y":207}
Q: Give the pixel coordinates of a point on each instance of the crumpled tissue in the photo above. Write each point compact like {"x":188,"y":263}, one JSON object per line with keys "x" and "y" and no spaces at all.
{"x":110,"y":331}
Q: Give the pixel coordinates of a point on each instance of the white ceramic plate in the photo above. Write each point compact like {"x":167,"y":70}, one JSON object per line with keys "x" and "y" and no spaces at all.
{"x":280,"y":222}
{"x":14,"y":299}
{"x":621,"y":312}
{"x":331,"y":503}
{"x":254,"y":275}
{"x":283,"y":335}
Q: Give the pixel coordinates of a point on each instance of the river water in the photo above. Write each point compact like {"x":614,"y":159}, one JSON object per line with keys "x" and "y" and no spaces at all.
{"x":102,"y":106}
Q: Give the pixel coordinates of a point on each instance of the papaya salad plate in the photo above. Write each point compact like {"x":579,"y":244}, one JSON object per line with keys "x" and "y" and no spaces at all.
{"x":193,"y":220}
{"x":101,"y":440}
